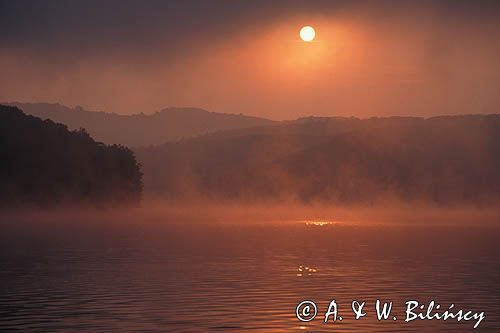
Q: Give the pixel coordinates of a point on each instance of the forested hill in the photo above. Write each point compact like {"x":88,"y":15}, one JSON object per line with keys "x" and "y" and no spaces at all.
{"x":140,"y":129}
{"x":443,"y":160}
{"x":43,"y":163}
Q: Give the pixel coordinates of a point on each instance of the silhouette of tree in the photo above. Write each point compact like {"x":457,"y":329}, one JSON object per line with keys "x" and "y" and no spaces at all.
{"x":43,"y":163}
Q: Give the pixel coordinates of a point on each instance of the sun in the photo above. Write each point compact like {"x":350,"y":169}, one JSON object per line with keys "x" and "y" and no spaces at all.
{"x":307,"y":33}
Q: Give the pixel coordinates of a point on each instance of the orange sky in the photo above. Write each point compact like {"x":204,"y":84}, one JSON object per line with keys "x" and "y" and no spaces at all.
{"x":364,"y":62}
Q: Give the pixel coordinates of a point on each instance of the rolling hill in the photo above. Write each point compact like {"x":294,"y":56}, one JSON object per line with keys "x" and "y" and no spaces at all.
{"x":139,"y":129}
{"x":443,"y":160}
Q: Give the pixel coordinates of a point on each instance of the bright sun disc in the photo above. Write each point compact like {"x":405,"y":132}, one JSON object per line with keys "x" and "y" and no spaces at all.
{"x":307,"y":33}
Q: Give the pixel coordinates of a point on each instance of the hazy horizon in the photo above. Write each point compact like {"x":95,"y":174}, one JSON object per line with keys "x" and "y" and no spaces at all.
{"x":77,"y":107}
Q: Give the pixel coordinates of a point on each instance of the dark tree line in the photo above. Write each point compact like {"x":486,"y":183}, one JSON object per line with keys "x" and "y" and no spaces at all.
{"x":42,"y":163}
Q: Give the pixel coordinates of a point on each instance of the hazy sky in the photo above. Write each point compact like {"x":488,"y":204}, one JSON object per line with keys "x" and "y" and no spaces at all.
{"x":369,"y":57}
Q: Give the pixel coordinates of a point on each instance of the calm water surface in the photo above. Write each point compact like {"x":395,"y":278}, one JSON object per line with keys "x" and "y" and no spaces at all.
{"x":224,"y":277}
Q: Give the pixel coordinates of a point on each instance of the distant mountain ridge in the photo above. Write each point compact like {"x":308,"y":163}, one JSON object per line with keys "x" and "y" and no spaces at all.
{"x":443,"y":160}
{"x":140,"y":129}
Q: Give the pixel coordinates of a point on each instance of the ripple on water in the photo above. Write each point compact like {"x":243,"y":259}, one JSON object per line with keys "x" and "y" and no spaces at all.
{"x":236,"y":279}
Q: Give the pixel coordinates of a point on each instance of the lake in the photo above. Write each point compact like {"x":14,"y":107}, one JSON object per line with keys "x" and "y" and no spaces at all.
{"x":213,"y":277}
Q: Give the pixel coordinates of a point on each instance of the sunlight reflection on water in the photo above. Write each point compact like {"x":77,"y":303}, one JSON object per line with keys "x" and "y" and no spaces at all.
{"x":319,"y":223}
{"x":306,"y":270}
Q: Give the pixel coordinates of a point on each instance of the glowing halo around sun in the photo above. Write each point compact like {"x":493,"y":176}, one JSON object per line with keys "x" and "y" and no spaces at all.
{"x":307,"y":33}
